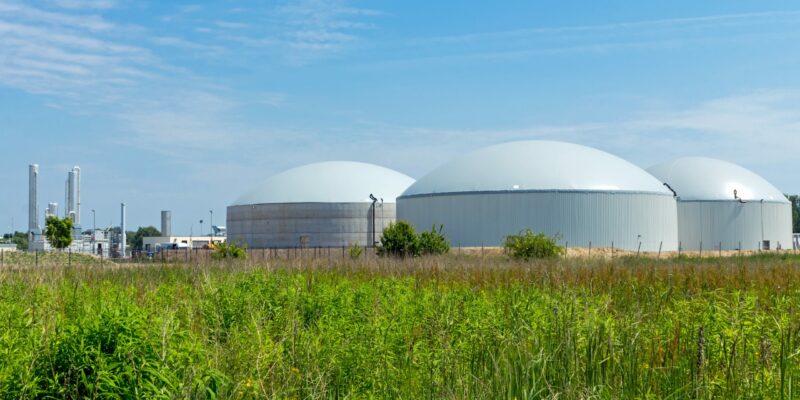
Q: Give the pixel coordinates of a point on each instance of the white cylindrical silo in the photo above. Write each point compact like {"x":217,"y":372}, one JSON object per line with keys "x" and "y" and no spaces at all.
{"x":722,"y":205}
{"x":584,"y":196}
{"x":324,"y":204}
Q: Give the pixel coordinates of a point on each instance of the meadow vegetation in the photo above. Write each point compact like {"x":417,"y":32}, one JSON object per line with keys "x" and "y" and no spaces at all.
{"x":427,"y":327}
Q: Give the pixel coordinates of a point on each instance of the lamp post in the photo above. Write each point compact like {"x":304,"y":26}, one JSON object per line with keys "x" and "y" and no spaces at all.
{"x":374,"y":200}
{"x":94,"y":226}
{"x":201,"y":227}
{"x":211,"y":222}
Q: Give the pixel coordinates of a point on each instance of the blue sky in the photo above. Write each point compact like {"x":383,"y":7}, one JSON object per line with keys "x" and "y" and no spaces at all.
{"x":185,"y":105}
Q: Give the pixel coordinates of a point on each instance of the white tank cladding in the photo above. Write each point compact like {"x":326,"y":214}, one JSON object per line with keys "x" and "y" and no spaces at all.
{"x":324,"y":204}
{"x":723,"y":204}
{"x":33,"y":198}
{"x":585,"y":196}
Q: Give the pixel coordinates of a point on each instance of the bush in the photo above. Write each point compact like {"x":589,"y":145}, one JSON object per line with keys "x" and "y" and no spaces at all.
{"x":356,"y":251}
{"x":527,"y":245}
{"x":399,"y":239}
{"x":433,"y":242}
{"x":229,"y":250}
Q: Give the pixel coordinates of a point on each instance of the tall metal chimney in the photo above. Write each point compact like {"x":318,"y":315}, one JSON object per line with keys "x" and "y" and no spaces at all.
{"x":166,"y":223}
{"x":33,"y":198}
{"x":123,"y":239}
{"x":71,"y":195}
{"x":76,"y":176}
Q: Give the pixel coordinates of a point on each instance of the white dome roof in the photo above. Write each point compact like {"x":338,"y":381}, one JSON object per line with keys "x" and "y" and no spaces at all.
{"x":699,"y":178}
{"x":329,"y":182}
{"x":536,"y":165}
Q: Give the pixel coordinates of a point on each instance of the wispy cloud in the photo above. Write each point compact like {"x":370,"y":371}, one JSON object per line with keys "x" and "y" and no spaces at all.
{"x":84,"y":4}
{"x":756,"y":129}
{"x":600,"y":38}
{"x":298,"y":31}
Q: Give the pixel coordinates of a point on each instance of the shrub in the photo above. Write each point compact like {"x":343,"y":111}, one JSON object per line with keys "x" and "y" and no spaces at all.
{"x":433,"y":242}
{"x":527,"y":245}
{"x":399,"y":239}
{"x":229,"y":250}
{"x":356,"y":251}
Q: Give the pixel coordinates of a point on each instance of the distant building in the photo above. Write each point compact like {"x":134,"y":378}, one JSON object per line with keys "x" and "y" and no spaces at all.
{"x":152,"y":243}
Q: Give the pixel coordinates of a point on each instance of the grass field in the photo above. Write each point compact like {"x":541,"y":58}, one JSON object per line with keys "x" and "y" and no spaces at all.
{"x":449,"y":327}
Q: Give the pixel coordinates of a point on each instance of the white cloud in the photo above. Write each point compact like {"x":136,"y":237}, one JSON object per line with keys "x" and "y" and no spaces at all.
{"x":84,"y":4}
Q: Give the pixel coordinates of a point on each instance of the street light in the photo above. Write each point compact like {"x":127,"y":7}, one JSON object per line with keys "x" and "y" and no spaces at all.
{"x":374,"y":200}
{"x":201,"y":226}
{"x":211,"y":222}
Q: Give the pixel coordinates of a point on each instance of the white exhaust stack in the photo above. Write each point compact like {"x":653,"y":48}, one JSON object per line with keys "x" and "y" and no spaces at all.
{"x":124,"y":238}
{"x":71,"y":195}
{"x":76,"y":175}
{"x":33,"y":198}
{"x":166,"y":223}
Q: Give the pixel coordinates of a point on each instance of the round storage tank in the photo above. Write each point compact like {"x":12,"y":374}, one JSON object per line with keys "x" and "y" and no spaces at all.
{"x":722,"y":205}
{"x":586,"y":196}
{"x":324,"y":204}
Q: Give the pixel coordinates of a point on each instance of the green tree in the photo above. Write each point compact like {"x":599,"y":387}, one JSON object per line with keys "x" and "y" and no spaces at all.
{"x":795,"y":199}
{"x":58,"y":232}
{"x":18,"y":238}
{"x":136,"y":239}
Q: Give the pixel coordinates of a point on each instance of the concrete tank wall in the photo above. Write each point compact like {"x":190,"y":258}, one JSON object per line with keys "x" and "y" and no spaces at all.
{"x":323,"y":224}
{"x":580,"y":217}
{"x":730,"y":223}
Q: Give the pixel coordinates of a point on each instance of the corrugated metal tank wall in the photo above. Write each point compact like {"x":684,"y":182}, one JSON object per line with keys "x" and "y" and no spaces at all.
{"x":485,"y":219}
{"x":323,"y":224}
{"x":731,"y":223}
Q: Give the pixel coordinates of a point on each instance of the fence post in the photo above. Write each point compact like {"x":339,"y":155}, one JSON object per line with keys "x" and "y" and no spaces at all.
{"x":566,"y":249}
{"x":660,"y":245}
{"x":639,"y":249}
{"x":69,"y":258}
{"x":590,"y":248}
{"x":740,"y":247}
{"x":37,"y":257}
{"x":720,"y":249}
{"x":680,"y":246}
{"x":701,"y":249}
{"x":612,"y":249}
{"x":2,"y":258}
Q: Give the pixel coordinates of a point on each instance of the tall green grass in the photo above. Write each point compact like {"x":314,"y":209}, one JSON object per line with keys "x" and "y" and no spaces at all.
{"x":446,"y":327}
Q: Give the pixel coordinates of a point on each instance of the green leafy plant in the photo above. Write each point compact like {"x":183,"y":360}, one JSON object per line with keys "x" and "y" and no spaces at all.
{"x":528,"y":245}
{"x":433,"y":242}
{"x":399,"y":239}
{"x":355,"y":251}
{"x":58,"y":232}
{"x":229,"y":251}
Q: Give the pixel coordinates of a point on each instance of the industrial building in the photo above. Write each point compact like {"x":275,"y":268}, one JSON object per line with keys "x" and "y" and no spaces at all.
{"x":327,"y":204}
{"x":724,"y":206}
{"x":586,"y":196}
